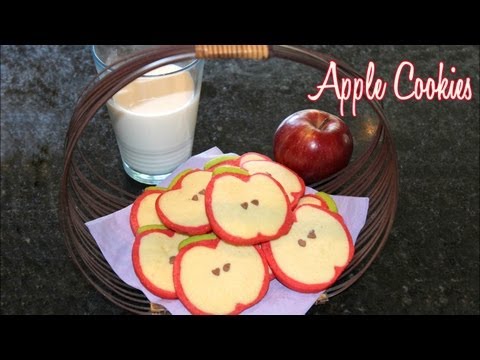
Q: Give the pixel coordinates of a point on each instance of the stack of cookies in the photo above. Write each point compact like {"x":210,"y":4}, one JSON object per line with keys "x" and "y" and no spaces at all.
{"x":217,"y":236}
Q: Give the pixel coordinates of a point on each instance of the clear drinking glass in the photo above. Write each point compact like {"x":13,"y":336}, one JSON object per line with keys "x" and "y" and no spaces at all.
{"x":154,"y":117}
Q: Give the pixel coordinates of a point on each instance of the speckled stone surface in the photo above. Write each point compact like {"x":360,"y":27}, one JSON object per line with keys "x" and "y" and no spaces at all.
{"x":430,"y":264}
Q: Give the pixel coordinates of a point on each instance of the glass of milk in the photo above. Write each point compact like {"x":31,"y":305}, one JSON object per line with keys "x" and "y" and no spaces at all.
{"x":153,"y":117}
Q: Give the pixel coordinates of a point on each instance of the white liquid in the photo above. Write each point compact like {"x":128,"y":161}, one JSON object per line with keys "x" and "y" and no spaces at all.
{"x":154,"y":121}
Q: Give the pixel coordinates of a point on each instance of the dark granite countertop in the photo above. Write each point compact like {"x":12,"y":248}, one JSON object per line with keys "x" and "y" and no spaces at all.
{"x":430,"y":264}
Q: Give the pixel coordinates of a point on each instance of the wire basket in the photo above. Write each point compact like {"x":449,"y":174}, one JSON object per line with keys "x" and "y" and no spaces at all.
{"x":86,"y":194}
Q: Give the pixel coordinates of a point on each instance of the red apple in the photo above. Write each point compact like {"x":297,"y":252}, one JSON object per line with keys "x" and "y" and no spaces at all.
{"x":314,"y":144}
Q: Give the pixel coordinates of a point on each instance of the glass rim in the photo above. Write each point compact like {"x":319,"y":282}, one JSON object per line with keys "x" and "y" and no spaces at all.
{"x":102,"y":64}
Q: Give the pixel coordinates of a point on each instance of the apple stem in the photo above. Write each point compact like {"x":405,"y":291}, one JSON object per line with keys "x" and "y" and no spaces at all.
{"x":324,"y":123}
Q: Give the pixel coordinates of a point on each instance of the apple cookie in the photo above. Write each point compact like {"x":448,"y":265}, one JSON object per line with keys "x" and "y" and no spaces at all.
{"x":182,"y":208}
{"x":153,"y":255}
{"x":314,"y":253}
{"x":291,"y":182}
{"x":212,"y":277}
{"x":247,"y":209}
{"x":143,"y":209}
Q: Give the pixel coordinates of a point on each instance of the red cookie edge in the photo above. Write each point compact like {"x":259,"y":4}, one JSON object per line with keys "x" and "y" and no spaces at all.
{"x":212,"y":244}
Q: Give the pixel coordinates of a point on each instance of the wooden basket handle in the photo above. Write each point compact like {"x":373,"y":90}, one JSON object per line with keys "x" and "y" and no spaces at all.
{"x":255,"y":52}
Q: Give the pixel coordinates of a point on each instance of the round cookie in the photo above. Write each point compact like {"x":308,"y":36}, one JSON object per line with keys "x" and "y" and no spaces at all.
{"x":314,"y":253}
{"x":247,"y":209}
{"x":143,"y":209}
{"x":182,"y":208}
{"x":212,"y":277}
{"x":153,"y":255}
